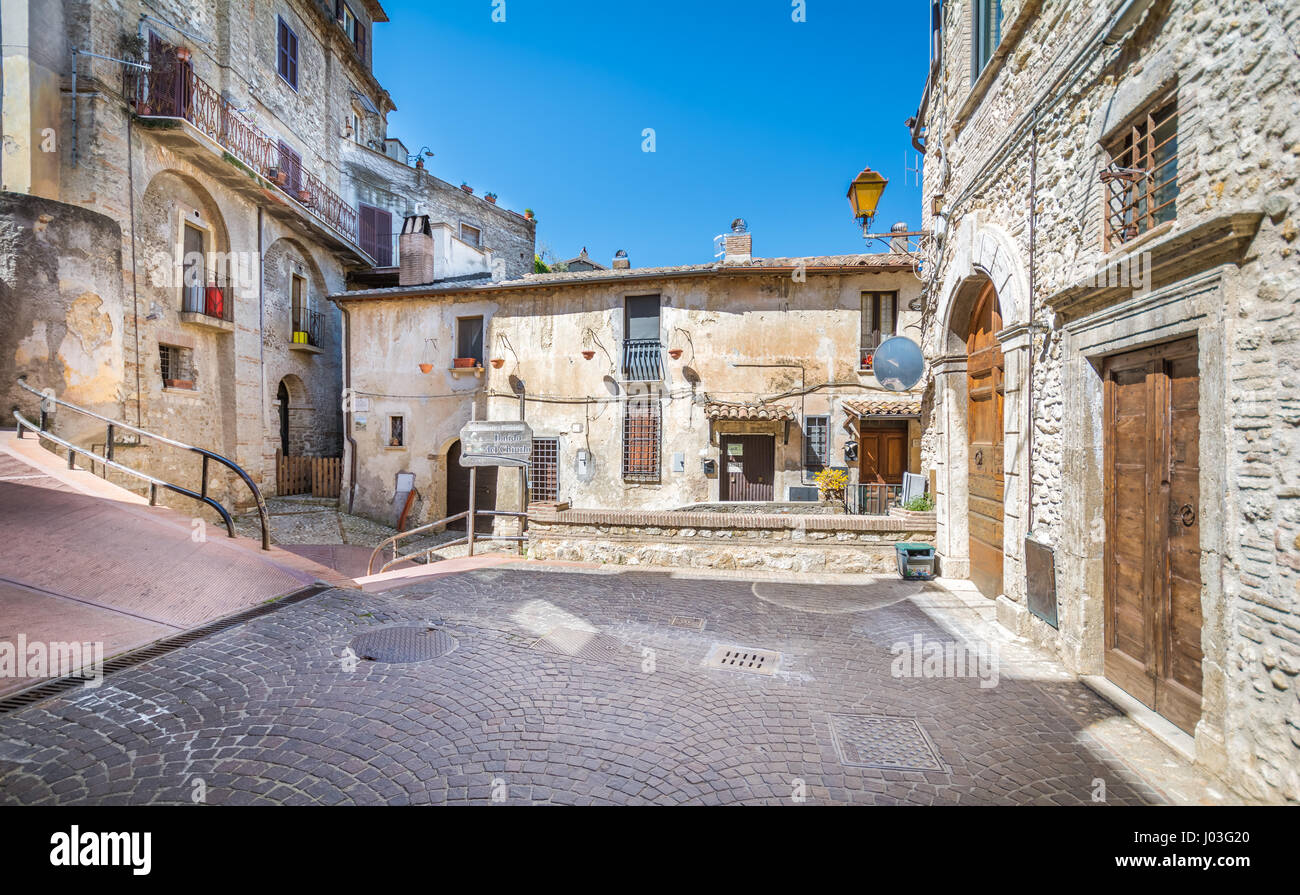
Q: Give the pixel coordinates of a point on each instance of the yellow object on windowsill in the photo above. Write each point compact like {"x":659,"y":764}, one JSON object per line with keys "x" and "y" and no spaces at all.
{"x":300,"y":336}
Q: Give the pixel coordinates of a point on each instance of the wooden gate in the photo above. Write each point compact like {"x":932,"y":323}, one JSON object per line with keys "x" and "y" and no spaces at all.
{"x":1153,"y":550}
{"x":748,"y":467}
{"x":984,"y":395}
{"x":317,"y":476}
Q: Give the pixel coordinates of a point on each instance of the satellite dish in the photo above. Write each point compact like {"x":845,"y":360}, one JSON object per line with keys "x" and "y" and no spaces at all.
{"x":898,"y":364}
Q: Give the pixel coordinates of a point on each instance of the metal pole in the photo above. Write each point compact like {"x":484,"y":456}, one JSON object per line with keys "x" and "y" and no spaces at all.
{"x":471,"y":520}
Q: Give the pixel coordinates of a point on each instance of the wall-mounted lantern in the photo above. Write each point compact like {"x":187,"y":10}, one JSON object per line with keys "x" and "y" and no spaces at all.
{"x":864,"y":194}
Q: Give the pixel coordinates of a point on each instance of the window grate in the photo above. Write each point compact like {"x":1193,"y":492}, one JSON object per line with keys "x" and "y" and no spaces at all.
{"x":544,"y":472}
{"x":1140,"y":186}
{"x":641,"y":435}
{"x":167,"y":362}
{"x":817,"y":441}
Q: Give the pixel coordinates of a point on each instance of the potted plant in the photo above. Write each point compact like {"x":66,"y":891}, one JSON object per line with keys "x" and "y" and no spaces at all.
{"x":497,"y":362}
{"x":279,"y":176}
{"x":179,"y":383}
{"x":467,"y":188}
{"x":674,"y":353}
{"x":465,"y":362}
{"x":426,"y":368}
{"x":588,"y":353}
{"x":304,"y":195}
{"x":528,"y":215}
{"x":491,"y":197}
{"x":831,"y":485}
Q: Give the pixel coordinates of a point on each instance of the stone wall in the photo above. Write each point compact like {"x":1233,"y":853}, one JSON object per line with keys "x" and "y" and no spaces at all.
{"x":1233,"y":67}
{"x":778,"y":543}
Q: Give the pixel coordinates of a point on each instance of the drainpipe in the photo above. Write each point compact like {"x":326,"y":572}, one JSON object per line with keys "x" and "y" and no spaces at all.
{"x":135,"y":276}
{"x":347,"y":406}
{"x":261,"y":319}
{"x":1029,"y":384}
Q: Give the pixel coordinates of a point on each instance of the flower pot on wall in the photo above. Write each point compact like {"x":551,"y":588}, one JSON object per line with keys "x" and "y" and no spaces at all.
{"x":588,"y":354}
{"x":304,"y":196}
{"x":674,"y":353}
{"x":465,"y":362}
{"x":467,"y":188}
{"x":179,"y":383}
{"x":497,"y":362}
{"x":426,"y":368}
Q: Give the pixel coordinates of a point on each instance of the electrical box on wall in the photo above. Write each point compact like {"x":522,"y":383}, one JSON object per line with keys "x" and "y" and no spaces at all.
{"x":583,"y":465}
{"x":679,"y":462}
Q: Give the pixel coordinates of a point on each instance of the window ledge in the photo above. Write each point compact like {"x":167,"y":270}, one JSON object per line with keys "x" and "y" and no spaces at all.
{"x":176,"y":390}
{"x":204,"y":321}
{"x":465,"y":371}
{"x":306,"y":348}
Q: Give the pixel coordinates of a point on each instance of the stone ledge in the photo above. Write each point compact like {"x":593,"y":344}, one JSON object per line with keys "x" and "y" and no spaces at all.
{"x":668,"y":519}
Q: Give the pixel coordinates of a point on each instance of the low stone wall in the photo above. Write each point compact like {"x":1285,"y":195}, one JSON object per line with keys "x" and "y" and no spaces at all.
{"x":769,"y":542}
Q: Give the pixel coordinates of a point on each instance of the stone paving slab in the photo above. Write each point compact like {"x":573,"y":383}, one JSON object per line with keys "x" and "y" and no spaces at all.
{"x":268,"y":712}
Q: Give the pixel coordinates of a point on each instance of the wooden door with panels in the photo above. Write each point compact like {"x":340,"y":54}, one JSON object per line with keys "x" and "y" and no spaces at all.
{"x":984,"y":429}
{"x":882,"y":453}
{"x":748,"y":467}
{"x":1152,"y":507}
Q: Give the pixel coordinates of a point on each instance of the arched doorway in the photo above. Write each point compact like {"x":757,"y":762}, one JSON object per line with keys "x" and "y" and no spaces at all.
{"x":282,"y":395}
{"x":984,"y":430}
{"x":458,"y":489}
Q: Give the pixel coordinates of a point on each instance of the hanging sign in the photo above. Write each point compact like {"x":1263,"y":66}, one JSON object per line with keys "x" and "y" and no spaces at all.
{"x":496,"y":443}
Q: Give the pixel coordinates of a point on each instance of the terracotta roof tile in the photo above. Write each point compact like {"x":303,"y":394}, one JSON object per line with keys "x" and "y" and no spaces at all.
{"x":884,"y":407}
{"x":728,"y":410}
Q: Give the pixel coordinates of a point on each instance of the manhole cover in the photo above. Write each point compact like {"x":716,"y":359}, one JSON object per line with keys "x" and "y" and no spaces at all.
{"x":396,"y":645}
{"x":687,"y":621}
{"x":579,"y":644}
{"x":739,"y":658}
{"x":878,"y":741}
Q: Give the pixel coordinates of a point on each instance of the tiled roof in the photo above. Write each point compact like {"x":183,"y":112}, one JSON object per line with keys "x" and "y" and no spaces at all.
{"x":885,"y":407}
{"x":882,"y":262}
{"x":727,"y":410}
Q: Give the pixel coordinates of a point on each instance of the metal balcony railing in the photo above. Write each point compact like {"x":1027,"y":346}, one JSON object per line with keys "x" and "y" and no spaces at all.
{"x":215,"y":299}
{"x":175,"y":91}
{"x":642,"y":360}
{"x":311,"y":326}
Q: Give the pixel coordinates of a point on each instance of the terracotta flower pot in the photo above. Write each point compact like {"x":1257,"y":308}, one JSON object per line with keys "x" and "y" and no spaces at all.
{"x":179,"y":383}
{"x":304,"y":195}
{"x":468,"y":189}
{"x":588,"y":354}
{"x":497,"y":362}
{"x":674,"y":353}
{"x":492,"y":199}
{"x":465,"y":362}
{"x":426,"y":368}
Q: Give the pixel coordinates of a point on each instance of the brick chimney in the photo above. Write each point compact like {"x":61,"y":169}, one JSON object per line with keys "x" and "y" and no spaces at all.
{"x":621,"y":261}
{"x":415,"y":251}
{"x":738,"y":245}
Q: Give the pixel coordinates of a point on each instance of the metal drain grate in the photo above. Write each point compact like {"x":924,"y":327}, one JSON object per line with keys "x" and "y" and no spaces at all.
{"x":738,"y":658}
{"x":578,"y":643}
{"x":880,"y":741}
{"x":49,"y":689}
{"x":687,"y":621}
{"x":399,"y":645}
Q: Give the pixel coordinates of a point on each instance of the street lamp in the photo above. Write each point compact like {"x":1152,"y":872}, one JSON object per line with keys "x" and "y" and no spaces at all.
{"x":419,"y":162}
{"x":864,"y":195}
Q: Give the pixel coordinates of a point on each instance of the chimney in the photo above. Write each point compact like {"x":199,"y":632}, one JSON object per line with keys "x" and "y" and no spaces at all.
{"x":898,"y":243}
{"x":621,"y":261}
{"x":738,"y":244}
{"x":415,"y":251}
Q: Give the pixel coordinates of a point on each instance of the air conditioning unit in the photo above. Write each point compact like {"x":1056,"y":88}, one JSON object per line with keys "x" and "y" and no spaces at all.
{"x":806,"y":493}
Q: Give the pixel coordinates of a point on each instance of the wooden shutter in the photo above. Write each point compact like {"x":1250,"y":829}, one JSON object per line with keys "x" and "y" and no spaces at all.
{"x":291,"y":163}
{"x":361,"y":40}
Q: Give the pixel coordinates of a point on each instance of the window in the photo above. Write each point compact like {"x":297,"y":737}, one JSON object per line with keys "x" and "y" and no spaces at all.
{"x":986,"y":34}
{"x":298,"y":301}
{"x":816,"y":442}
{"x":641,"y":427}
{"x":1140,"y":185}
{"x":469,"y":338}
{"x":352,"y":27}
{"x":291,"y":167}
{"x":471,"y":235}
{"x":544,"y":470}
{"x":879,"y":322}
{"x":286,"y":53}
{"x":194,"y":273}
{"x":376,"y":233}
{"x":396,"y":431}
{"x":176,"y":366}
{"x":641,"y":349}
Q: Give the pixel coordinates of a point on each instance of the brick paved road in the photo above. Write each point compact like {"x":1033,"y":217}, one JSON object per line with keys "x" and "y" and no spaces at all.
{"x":265,"y":712}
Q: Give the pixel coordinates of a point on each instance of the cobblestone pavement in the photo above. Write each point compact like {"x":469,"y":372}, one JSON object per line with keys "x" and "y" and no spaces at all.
{"x":266,"y":712}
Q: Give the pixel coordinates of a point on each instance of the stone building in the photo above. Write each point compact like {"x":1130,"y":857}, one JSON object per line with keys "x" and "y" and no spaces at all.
{"x":646,"y":388}
{"x":183,"y":225}
{"x":1113,"y":404}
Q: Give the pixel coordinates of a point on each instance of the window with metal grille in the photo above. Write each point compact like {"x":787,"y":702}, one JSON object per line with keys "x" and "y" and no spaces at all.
{"x":879,"y":322}
{"x":816,"y":441}
{"x":986,"y":34}
{"x":1140,"y":185}
{"x":175,"y":366}
{"x":396,"y":431}
{"x":641,"y":434}
{"x":286,"y":53}
{"x":544,"y":470}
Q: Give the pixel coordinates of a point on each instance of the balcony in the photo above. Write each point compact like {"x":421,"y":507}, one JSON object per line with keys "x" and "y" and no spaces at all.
{"x":209,"y":306}
{"x":642,"y":360}
{"x":308,"y":331}
{"x":174,"y":93}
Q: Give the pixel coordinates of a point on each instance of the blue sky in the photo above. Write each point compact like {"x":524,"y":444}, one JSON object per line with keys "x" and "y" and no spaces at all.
{"x":754,"y":115}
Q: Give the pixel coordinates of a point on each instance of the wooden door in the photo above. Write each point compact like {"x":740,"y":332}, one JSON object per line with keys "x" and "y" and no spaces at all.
{"x":1152,"y":507}
{"x":984,"y":395}
{"x":882,"y":453}
{"x":458,"y":489}
{"x":748,"y":467}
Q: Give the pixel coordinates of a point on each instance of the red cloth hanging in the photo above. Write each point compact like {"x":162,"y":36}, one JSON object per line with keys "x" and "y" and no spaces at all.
{"x":215,"y":302}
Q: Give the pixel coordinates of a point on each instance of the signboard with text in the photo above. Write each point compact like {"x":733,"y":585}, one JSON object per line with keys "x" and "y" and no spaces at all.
{"x":496,"y":443}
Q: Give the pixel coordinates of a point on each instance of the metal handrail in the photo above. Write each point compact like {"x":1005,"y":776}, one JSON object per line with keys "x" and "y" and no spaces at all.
{"x":469,"y":537}
{"x":154,"y":483}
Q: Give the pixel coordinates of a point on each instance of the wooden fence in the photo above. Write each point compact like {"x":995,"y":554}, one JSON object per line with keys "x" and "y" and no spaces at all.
{"x":317,"y":476}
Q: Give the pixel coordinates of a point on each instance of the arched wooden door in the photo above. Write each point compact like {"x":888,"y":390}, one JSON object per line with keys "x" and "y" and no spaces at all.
{"x":485,"y":490}
{"x":984,"y":395}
